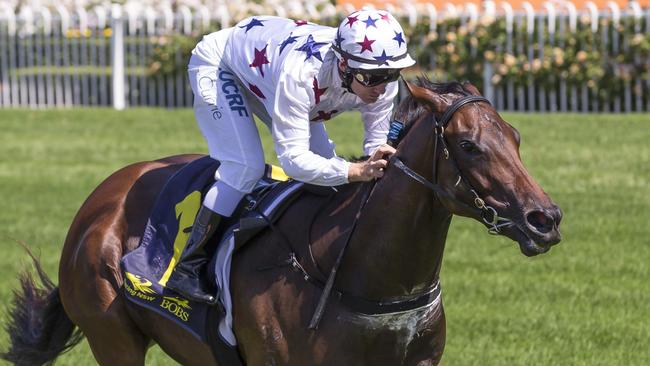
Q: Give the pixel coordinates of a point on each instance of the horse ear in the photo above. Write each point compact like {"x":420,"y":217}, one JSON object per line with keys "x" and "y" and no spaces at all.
{"x":471,"y":88}
{"x":409,"y":86}
{"x":427,"y":97}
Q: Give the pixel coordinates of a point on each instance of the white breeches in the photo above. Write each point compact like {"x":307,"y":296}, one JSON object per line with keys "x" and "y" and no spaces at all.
{"x":227,"y":124}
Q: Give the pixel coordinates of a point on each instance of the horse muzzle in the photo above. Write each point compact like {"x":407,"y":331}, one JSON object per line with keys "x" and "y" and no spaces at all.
{"x":538,"y":231}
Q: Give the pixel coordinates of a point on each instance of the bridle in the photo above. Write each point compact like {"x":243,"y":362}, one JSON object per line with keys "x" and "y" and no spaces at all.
{"x":488,"y":214}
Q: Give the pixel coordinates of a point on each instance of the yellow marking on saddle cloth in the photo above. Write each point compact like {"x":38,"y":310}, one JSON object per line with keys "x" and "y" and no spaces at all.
{"x":139,"y":284}
{"x":186,"y":211}
{"x":278,"y":174}
{"x":182,"y":303}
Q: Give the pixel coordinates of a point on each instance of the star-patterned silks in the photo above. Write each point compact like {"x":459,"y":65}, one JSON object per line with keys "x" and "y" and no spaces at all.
{"x":384,"y":16}
{"x":311,"y":48}
{"x":318,"y":91}
{"x":383,"y":58}
{"x":253,"y":23}
{"x":366,"y":45}
{"x":323,"y":116}
{"x":256,"y":91}
{"x":398,"y":37}
{"x":290,"y":39}
{"x":351,"y":20}
{"x":370,"y":22}
{"x":338,"y":40}
{"x":260,"y":59}
{"x":262,"y":51}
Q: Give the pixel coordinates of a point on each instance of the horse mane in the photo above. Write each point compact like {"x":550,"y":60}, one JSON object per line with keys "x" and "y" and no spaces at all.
{"x":410,"y":110}
{"x":451,"y":87}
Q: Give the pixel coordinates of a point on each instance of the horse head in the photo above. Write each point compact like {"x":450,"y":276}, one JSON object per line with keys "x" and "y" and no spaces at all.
{"x":477,"y":170}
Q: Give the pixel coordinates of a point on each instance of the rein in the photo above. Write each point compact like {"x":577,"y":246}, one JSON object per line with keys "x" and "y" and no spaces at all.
{"x":488,"y":214}
{"x":320,"y":308}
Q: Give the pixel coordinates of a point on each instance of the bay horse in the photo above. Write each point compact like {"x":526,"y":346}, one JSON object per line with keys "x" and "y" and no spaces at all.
{"x":457,"y":157}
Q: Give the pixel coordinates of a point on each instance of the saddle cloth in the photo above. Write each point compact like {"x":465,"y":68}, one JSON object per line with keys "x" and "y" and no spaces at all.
{"x":147,"y":268}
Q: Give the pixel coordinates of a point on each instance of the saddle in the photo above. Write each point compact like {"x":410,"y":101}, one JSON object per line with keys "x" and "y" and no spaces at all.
{"x":147,"y":268}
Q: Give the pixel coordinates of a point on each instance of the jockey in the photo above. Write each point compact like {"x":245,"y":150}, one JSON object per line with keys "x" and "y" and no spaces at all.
{"x":294,"y":76}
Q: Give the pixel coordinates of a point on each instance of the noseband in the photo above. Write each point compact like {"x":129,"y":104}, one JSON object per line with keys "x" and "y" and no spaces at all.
{"x":489,"y":214}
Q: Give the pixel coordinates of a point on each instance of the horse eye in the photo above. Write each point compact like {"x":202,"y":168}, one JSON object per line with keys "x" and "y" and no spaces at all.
{"x":468,"y":146}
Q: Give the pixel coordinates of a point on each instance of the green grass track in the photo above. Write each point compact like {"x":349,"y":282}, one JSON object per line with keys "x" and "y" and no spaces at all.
{"x":584,"y":303}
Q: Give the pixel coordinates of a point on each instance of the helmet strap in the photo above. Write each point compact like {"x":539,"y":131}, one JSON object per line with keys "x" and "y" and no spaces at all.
{"x":346,"y":78}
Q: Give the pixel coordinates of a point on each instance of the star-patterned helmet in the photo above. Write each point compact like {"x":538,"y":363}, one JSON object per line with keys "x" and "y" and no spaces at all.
{"x":372,"y":39}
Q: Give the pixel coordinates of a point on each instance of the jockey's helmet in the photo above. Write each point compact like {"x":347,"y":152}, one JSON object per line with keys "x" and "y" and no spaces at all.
{"x":372,"y":40}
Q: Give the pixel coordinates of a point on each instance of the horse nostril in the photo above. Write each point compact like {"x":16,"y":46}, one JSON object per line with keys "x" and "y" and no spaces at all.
{"x":557,"y":215}
{"x":541,"y":221}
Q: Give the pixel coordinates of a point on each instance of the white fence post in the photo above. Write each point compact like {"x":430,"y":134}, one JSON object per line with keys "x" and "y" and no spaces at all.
{"x":530,"y":29}
{"x":166,"y":82}
{"x":573,"y":26}
{"x":149,"y":88}
{"x":635,"y":8}
{"x":48,"y":80}
{"x":181,"y":83}
{"x":117,"y":57}
{"x":64,"y":92}
{"x":488,"y":68}
{"x":102,"y":58}
{"x":79,"y":53}
{"x":10,"y":21}
{"x":510,"y":90}
{"x":551,"y":24}
{"x":130,"y":31}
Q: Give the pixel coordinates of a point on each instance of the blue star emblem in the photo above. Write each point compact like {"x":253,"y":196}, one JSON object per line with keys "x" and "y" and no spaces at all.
{"x":289,"y":40}
{"x":254,"y":23}
{"x":338,"y":40}
{"x":311,"y":48}
{"x":383,"y":58}
{"x":370,"y":22}
{"x":399,"y":39}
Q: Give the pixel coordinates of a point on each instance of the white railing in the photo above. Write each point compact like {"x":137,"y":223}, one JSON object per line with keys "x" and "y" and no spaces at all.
{"x":554,"y":22}
{"x":72,"y":56}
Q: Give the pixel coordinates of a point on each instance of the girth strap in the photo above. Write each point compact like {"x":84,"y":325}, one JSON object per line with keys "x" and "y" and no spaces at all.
{"x":369,"y":307}
{"x":364,"y":306}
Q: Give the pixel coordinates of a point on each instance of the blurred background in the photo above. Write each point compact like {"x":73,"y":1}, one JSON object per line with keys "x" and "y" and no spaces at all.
{"x":87,"y":87}
{"x":579,"y":56}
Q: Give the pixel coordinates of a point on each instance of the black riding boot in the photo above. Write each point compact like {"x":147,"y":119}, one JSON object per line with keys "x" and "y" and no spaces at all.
{"x":186,"y":278}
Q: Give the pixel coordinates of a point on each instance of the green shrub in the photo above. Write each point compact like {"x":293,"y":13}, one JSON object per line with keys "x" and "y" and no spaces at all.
{"x":460,"y":50}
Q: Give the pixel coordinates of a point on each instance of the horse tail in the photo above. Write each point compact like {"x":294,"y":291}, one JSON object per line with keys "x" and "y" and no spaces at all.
{"x":38,"y":327}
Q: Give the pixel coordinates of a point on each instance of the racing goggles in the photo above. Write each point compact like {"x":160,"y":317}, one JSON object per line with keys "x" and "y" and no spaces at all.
{"x":370,"y":78}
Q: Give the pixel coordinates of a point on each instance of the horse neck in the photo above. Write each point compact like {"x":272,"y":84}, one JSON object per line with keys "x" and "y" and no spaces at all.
{"x":397,"y":246}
